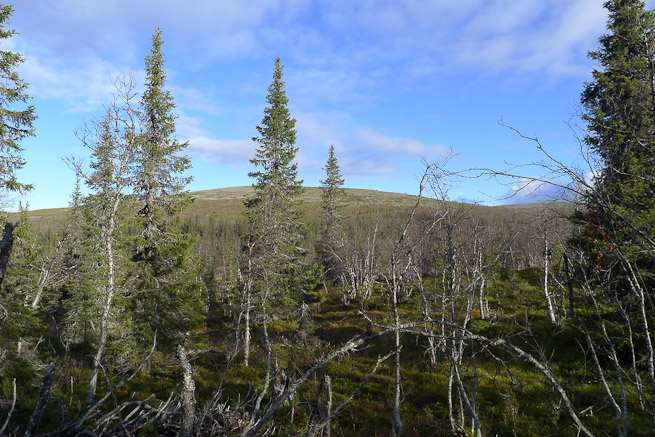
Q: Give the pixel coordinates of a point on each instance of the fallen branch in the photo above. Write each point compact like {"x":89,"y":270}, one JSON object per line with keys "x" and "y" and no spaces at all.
{"x":44,"y":395}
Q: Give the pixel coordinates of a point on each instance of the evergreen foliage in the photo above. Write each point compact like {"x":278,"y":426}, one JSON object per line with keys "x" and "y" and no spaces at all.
{"x":79,"y":300}
{"x":167,"y":295}
{"x":332,"y":193}
{"x":113,"y":145}
{"x":16,"y":121}
{"x":620,"y":114}
{"x":160,"y":181}
{"x":21,"y":321}
{"x":131,"y":275}
{"x":331,"y":196}
{"x":619,"y":237}
{"x":277,"y":225}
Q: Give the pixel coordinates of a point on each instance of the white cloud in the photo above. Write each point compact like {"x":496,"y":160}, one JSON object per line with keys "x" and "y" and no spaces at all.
{"x":86,"y":85}
{"x":530,"y":190}
{"x":194,"y":99}
{"x":342,"y":53}
{"x":550,"y":38}
{"x":361,"y":150}
{"x":190,"y":127}
{"x":236,"y":152}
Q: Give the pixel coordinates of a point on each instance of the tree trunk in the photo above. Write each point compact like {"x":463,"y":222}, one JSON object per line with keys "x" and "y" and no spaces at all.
{"x":569,"y":284}
{"x":397,"y":424}
{"x":549,"y":302}
{"x":5,"y":249}
{"x":44,"y":395}
{"x":46,"y":274}
{"x":188,"y":393}
{"x":104,"y":322}
{"x":328,"y":405}
{"x":246,"y":334}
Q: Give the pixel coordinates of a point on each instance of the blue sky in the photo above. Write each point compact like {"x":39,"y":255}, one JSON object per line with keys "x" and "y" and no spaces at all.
{"x":388,"y":82}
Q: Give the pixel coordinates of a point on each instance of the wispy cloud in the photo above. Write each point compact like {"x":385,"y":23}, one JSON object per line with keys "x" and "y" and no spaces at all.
{"x":194,"y":99}
{"x":361,"y":150}
{"x":550,"y":38}
{"x":530,"y":190}
{"x":234,"y":152}
{"x":85,"y":85}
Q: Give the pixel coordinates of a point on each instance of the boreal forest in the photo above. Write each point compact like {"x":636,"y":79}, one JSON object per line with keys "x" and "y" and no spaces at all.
{"x":278,"y":309}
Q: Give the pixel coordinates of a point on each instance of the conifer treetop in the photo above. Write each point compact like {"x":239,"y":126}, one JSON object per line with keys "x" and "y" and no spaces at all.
{"x":162,"y":160}
{"x":15,"y":123}
{"x":331,"y":185}
{"x":276,"y":141}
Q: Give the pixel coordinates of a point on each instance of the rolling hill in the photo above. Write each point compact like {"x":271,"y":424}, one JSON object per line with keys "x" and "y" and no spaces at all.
{"x":226,"y":204}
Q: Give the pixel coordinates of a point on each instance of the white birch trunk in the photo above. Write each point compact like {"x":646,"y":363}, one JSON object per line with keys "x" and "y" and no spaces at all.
{"x":106,"y":309}
{"x":549,"y":301}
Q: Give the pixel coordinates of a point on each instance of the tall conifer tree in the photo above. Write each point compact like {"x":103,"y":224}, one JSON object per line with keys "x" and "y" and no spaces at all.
{"x":160,"y":179}
{"x":168,"y":286}
{"x":619,"y":104}
{"x":112,"y":143}
{"x":16,"y":123}
{"x":276,"y":223}
{"x":331,"y":196}
{"x":620,"y":113}
{"x":274,"y":246}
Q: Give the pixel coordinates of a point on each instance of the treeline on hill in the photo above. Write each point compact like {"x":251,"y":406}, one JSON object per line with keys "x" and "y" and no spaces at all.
{"x":279,"y":310}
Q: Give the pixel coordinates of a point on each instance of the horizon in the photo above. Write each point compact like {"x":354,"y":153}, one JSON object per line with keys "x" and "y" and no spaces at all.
{"x":15,"y":211}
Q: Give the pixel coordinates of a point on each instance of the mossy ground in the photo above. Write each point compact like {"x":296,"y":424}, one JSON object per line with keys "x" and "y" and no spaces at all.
{"x":512,"y":396}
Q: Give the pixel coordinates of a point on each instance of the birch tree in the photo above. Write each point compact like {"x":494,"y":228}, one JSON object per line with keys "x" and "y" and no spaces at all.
{"x":113,"y":144}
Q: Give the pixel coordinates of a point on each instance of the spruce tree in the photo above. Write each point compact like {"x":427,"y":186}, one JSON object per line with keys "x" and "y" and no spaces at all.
{"x":331,"y":195}
{"x":20,"y":323}
{"x":277,"y":226}
{"x":80,"y":259}
{"x":331,"y":190}
{"x":619,"y":109}
{"x":274,"y":245}
{"x":160,"y":180}
{"x":167,"y":295}
{"x":112,"y":143}
{"x":16,"y":123}
{"x":16,"y":120}
{"x":620,"y":114}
